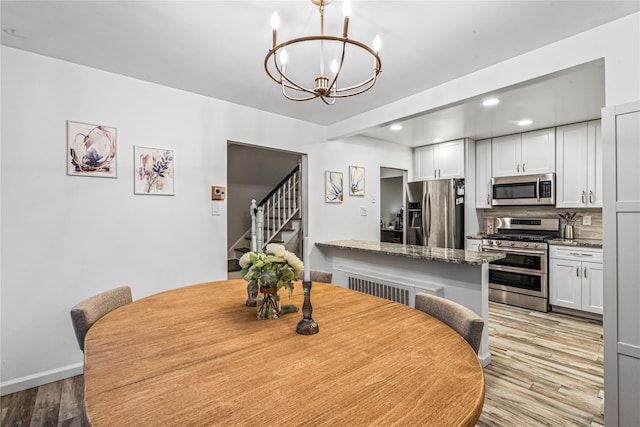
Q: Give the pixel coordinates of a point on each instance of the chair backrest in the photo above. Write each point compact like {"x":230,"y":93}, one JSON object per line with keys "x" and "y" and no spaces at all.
{"x":89,"y":311}
{"x":317,"y":276}
{"x":464,"y":321}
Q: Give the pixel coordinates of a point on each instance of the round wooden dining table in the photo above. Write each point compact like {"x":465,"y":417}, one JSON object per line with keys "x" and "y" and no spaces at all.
{"x":197,"y":356}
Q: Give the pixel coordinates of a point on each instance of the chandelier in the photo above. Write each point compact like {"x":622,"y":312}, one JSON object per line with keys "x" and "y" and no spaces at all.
{"x":326,"y":88}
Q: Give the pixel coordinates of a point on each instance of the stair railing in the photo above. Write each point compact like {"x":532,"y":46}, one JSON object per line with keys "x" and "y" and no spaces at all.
{"x":274,"y":211}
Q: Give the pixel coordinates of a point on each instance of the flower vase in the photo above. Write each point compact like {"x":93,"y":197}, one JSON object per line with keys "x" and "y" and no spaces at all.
{"x":268,"y":303}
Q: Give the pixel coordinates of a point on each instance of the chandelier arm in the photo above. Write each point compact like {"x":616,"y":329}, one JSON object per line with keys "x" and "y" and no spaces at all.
{"x":346,"y":95}
{"x":288,"y":83}
{"x":292,"y":98}
{"x":334,"y":82}
{"x":369,"y":83}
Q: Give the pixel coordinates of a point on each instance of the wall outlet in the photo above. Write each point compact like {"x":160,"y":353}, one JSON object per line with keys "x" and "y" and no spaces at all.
{"x":363,"y":211}
{"x":586,"y":219}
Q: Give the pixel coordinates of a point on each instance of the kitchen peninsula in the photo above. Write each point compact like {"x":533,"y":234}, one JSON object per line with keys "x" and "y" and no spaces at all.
{"x":397,"y":272}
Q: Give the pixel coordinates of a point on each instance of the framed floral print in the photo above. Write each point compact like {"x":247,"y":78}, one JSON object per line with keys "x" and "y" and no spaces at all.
{"x":154,"y":170}
{"x":356,"y":181}
{"x":333,"y":187}
{"x":91,"y":150}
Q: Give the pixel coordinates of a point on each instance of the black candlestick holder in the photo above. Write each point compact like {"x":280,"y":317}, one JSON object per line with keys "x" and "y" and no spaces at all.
{"x":307,"y":326}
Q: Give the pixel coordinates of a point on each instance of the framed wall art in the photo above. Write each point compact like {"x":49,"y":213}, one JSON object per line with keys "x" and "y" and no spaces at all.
{"x":333,"y":187}
{"x":356,"y":181}
{"x":91,"y":150}
{"x":153,"y":172}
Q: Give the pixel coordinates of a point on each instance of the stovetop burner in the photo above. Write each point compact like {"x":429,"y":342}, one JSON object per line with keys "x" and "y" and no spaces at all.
{"x":520,"y":237}
{"x":525,"y":229}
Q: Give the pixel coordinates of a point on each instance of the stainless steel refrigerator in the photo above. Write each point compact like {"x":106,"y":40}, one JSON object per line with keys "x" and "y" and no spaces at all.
{"x":435,"y":213}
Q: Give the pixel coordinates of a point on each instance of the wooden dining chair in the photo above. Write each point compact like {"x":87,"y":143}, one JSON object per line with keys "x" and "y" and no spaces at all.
{"x":462,"y":320}
{"x":89,"y":311}
{"x":317,"y":276}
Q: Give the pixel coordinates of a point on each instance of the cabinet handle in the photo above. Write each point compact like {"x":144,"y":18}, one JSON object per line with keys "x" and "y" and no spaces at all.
{"x":435,"y":173}
{"x":590,"y":196}
{"x":523,"y":168}
{"x":518,"y":167}
{"x":488,"y":201}
{"x":583,"y":196}
{"x":439,"y":174}
{"x":585,"y":272}
{"x":579,"y":254}
{"x":577,"y":271}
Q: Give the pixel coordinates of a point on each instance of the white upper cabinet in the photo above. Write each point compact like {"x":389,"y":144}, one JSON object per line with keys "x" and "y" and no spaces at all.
{"x":506,"y":152}
{"x":425,"y":159}
{"x":439,"y":161}
{"x":538,"y":152}
{"x":579,"y":165}
{"x":483,"y":174}
{"x":528,"y":153}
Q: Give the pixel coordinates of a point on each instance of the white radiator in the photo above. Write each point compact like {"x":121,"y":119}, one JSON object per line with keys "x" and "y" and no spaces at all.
{"x":393,"y":292}
{"x":383,"y":286}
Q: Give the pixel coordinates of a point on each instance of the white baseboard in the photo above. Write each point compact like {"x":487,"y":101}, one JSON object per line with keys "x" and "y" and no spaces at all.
{"x":40,"y":378}
{"x":485,"y":359}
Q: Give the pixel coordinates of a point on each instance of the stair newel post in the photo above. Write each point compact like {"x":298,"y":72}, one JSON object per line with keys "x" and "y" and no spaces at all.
{"x":252,"y":210}
{"x":295,"y":194}
{"x":260,"y":227}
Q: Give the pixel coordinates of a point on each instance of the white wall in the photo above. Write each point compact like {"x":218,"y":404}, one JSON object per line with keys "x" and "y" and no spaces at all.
{"x":618,"y":42}
{"x":337,"y":221}
{"x":65,"y":238}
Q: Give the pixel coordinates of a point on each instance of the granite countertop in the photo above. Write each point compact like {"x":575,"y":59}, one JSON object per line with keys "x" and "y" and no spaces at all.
{"x":455,"y":256}
{"x":476,"y":236}
{"x":591,"y":243}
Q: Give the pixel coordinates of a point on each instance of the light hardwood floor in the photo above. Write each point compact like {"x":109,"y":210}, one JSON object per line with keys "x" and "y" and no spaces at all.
{"x":546,"y":370}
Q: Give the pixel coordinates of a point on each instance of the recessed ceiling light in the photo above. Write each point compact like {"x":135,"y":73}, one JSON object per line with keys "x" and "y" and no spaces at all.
{"x":395,"y":127}
{"x":438,"y":140}
{"x":525,"y":122}
{"x":491,"y":101}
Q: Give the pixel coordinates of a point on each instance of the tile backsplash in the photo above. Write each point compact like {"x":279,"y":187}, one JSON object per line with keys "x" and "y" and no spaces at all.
{"x":593,"y":231}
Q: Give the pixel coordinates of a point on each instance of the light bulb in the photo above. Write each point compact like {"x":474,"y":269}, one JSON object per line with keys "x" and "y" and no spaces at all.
{"x":346,"y":8}
{"x":284,"y":57}
{"x":334,"y":66}
{"x":275,"y":21}
{"x":525,"y":122}
{"x":377,"y":43}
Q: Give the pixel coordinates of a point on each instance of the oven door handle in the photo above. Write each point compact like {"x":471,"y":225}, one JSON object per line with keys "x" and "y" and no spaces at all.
{"x":537,"y":187}
{"x":517,"y":250}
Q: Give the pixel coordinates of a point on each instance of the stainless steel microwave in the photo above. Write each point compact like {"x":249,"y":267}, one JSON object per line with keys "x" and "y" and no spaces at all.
{"x":524,"y":190}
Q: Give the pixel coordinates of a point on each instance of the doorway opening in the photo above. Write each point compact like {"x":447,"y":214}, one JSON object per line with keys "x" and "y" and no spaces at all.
{"x":393,"y":182}
{"x":254,"y":173}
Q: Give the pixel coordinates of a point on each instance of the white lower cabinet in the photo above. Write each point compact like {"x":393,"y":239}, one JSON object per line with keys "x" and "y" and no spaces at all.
{"x":575,"y":278}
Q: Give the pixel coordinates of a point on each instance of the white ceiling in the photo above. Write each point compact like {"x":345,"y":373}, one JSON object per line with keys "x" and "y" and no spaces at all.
{"x":217,"y":48}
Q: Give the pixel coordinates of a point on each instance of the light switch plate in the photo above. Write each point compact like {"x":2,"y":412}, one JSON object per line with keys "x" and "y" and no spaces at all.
{"x":215,"y":208}
{"x":363,"y":211}
{"x":586,"y":219}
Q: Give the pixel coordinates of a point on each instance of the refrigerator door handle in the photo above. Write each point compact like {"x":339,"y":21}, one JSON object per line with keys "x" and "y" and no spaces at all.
{"x":446,"y":220}
{"x":426,"y":216}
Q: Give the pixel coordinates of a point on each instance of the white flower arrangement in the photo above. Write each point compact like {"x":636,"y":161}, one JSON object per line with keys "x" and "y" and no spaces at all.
{"x":274,"y":268}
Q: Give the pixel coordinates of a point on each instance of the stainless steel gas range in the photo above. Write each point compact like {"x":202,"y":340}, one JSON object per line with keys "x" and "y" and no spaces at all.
{"x":521,"y":278}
